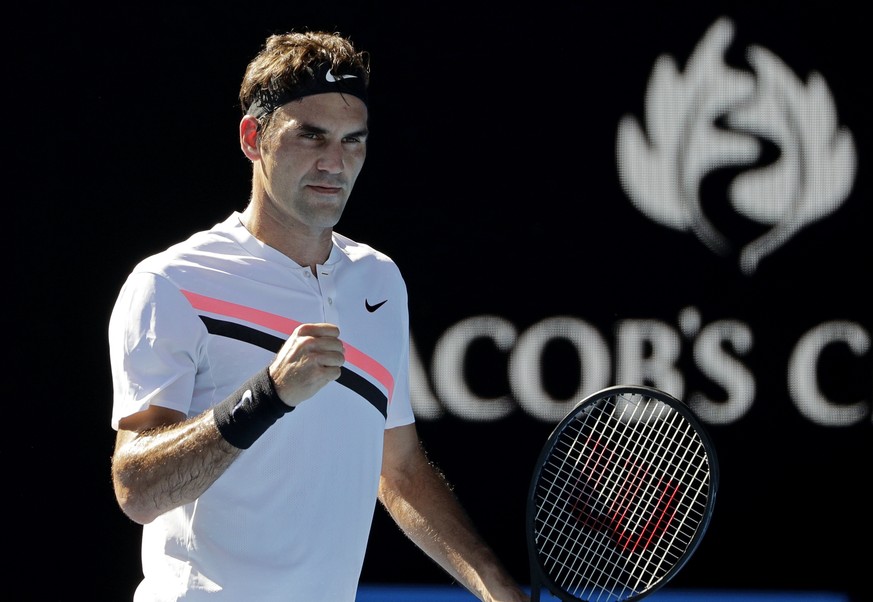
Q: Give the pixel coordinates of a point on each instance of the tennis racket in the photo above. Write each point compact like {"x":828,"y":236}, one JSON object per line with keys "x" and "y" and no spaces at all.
{"x":620,"y":498}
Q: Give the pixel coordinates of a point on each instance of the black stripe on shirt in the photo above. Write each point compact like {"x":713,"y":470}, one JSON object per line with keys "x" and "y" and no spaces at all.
{"x":247,"y":334}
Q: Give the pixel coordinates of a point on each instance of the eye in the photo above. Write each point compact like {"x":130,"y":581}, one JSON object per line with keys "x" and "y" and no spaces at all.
{"x":356,"y":139}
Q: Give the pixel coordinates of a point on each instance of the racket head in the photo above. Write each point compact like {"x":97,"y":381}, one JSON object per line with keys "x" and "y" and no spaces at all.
{"x":621,"y":496}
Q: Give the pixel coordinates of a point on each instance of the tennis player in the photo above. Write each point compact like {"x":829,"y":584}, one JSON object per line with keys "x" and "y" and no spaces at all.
{"x":261,"y":371}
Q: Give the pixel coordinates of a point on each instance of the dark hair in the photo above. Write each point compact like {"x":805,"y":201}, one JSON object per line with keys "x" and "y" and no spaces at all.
{"x":287,"y":65}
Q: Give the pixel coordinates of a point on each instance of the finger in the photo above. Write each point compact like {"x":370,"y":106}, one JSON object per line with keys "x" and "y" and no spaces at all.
{"x":318,"y":339}
{"x":331,"y":358}
{"x":321,"y":329}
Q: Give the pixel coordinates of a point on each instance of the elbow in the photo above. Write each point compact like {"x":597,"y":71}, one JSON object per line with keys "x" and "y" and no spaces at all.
{"x":130,"y":497}
{"x":133,"y":506}
{"x":135,"y":511}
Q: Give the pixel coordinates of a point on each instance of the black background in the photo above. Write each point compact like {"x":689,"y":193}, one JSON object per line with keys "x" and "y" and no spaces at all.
{"x":491,"y":179}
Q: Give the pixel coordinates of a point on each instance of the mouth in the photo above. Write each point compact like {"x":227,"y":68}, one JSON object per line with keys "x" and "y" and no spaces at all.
{"x":325,"y":189}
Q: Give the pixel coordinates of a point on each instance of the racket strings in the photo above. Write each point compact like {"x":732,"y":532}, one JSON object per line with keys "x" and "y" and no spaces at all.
{"x":620,"y":499}
{"x":632,"y":483}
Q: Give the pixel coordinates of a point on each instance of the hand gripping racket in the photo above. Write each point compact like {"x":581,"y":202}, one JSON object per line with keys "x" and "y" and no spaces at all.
{"x":620,"y":498}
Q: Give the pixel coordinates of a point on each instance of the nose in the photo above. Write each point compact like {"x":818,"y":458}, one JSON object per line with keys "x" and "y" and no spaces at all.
{"x":331,"y":159}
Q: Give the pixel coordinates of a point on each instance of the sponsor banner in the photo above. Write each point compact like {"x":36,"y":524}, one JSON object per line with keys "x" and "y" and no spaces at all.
{"x":688,"y":214}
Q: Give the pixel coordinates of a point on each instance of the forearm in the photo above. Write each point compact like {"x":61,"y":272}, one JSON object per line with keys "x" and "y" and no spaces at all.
{"x":428,"y":512}
{"x":162,"y":461}
{"x":159,"y":469}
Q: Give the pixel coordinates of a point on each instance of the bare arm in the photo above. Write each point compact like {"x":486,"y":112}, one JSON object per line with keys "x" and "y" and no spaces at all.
{"x":162,"y":461}
{"x":424,"y":507}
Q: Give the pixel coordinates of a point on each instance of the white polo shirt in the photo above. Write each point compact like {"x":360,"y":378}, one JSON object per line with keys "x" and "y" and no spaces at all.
{"x":290,"y":518}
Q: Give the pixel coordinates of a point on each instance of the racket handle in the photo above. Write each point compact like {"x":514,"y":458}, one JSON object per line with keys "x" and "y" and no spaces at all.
{"x":535,"y":583}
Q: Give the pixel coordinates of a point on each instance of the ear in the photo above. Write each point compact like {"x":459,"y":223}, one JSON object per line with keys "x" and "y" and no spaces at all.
{"x":248,"y":137}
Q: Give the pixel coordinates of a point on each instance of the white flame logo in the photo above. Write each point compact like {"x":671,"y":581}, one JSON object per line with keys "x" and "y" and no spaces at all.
{"x":661,"y":170}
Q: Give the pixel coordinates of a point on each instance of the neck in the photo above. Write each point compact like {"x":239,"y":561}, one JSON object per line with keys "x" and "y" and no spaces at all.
{"x":305,"y":246}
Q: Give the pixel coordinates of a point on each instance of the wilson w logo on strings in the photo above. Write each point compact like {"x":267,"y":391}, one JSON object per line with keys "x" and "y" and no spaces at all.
{"x":604,"y":499}
{"x":622,"y":475}
{"x":621,"y":496}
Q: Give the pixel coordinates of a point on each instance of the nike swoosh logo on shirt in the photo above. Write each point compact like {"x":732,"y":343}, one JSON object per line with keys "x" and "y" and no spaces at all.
{"x":372,"y":308}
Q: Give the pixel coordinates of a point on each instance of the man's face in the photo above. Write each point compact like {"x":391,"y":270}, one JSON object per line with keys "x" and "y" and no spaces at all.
{"x":312,"y":153}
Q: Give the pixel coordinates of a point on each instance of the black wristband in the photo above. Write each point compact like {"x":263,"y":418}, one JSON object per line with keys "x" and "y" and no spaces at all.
{"x":250,"y":411}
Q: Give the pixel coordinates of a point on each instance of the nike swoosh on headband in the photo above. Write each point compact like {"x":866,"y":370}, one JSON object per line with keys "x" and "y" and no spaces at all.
{"x":335,"y":78}
{"x":268,"y":99}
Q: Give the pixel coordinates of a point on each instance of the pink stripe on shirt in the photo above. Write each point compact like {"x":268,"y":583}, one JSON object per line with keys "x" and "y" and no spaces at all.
{"x":287,"y":326}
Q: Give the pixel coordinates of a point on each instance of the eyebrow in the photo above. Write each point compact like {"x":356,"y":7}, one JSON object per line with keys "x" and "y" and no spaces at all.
{"x":313,"y":129}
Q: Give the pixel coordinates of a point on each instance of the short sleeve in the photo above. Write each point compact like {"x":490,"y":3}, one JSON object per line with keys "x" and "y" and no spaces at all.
{"x":400,"y":408}
{"x":155,"y":341}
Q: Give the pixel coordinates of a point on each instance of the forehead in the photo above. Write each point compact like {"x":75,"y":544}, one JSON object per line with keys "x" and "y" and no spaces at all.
{"x":329,"y":111}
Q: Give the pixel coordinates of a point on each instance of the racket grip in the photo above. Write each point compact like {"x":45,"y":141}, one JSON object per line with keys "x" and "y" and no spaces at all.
{"x":535,"y":584}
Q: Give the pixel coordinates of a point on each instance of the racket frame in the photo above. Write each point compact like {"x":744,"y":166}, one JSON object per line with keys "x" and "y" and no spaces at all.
{"x":539,"y":576}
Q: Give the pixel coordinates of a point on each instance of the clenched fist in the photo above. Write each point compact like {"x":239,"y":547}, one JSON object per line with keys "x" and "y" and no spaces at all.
{"x":308,"y":360}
